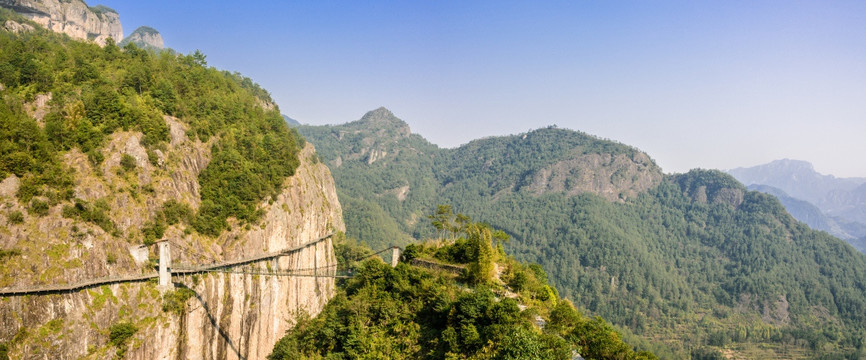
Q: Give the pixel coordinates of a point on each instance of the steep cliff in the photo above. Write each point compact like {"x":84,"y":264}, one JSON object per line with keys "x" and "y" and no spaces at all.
{"x":229,"y":316}
{"x":71,"y":17}
{"x":96,"y":167}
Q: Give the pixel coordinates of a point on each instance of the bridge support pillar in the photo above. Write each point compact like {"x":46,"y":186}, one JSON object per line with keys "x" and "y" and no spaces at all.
{"x":164,"y":267}
{"x":395,"y":256}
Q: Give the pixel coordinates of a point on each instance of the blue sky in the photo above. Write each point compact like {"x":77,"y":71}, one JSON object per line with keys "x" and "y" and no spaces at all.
{"x":710,"y":84}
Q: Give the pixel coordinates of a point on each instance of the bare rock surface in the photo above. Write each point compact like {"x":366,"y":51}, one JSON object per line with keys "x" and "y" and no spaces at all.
{"x":70,"y":17}
{"x":229,"y":316}
{"x":613,"y":177}
{"x":39,"y":107}
{"x":9,"y":186}
{"x":17,"y":27}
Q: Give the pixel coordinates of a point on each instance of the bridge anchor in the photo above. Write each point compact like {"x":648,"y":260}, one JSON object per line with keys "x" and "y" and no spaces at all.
{"x":164,"y":267}
{"x":395,"y":256}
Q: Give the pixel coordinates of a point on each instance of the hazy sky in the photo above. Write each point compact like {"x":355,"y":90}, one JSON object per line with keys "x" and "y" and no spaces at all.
{"x":711,"y":84}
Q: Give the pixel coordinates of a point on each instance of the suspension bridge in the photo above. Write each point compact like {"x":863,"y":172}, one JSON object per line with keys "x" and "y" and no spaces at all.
{"x":266,"y":264}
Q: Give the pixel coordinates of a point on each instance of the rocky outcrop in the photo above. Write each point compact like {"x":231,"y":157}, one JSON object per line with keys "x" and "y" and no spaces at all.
{"x":611,"y":176}
{"x":228,"y":316}
{"x":144,"y":37}
{"x":38,"y":108}
{"x":17,"y":27}
{"x":71,"y":17}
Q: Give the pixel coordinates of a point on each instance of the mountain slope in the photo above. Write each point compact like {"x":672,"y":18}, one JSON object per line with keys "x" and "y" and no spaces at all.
{"x":104,"y":151}
{"x":388,"y":177}
{"x":382,"y":167}
{"x":813,"y":216}
{"x":290,"y":121}
{"x":682,"y":261}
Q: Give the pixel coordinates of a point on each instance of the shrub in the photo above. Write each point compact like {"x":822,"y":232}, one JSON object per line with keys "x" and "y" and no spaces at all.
{"x":175,"y":212}
{"x":96,"y":213}
{"x":28,"y":189}
{"x":152,"y":157}
{"x":9,"y":253}
{"x":16,"y":217}
{"x":120,"y":333}
{"x":39,"y":207}
{"x":127,"y":162}
{"x":175,"y":301}
{"x":153,"y":231}
{"x":707,"y":353}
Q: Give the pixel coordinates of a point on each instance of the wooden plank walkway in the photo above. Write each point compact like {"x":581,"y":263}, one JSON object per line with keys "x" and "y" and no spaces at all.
{"x":290,"y":273}
{"x":64,"y":288}
{"x":55,"y":289}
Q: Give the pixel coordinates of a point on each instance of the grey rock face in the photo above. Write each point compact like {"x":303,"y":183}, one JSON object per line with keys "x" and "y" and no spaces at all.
{"x":71,"y":17}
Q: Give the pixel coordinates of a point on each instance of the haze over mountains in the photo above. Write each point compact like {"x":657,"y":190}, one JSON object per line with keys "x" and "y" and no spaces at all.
{"x":128,"y":146}
{"x":825,"y":202}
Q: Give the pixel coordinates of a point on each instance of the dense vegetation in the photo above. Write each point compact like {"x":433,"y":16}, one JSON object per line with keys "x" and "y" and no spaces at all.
{"x":369,"y":189}
{"x":409,"y":312}
{"x":96,"y":91}
{"x":693,"y":266}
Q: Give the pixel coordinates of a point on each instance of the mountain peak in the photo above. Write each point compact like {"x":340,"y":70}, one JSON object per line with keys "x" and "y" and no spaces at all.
{"x":144,"y":37}
{"x":792,"y":164}
{"x":381,"y":114}
{"x":384,"y":119}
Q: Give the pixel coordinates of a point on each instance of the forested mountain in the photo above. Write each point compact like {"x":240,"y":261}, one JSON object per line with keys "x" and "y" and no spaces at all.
{"x":690,"y":263}
{"x":387,"y":176}
{"x":457,"y":297}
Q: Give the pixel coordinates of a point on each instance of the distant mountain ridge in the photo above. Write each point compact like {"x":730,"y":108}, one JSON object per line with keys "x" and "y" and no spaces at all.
{"x":797,"y":178}
{"x":841,"y":201}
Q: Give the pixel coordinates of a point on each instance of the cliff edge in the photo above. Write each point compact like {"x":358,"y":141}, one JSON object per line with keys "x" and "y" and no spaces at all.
{"x":225,"y":316}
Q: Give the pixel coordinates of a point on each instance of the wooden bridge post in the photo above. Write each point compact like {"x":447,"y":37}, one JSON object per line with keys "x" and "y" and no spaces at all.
{"x":395,"y":256}
{"x":164,"y":267}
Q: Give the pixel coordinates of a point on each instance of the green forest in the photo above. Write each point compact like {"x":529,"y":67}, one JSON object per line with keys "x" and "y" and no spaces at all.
{"x":695,"y":266}
{"x":96,"y":91}
{"x":417,"y":312}
{"x":692,"y":267}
